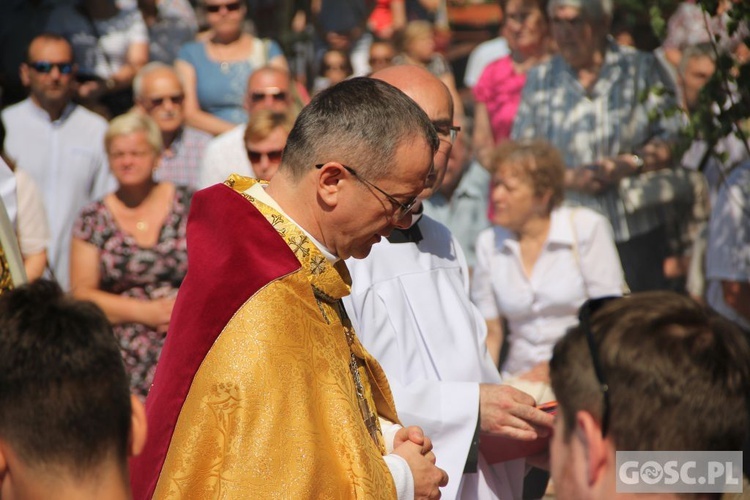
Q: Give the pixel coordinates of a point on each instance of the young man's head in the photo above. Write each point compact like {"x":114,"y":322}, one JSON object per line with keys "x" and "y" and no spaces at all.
{"x":677,"y":378}
{"x":67,"y":419}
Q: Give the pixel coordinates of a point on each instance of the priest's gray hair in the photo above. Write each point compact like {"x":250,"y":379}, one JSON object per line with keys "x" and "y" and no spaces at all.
{"x":360,"y":123}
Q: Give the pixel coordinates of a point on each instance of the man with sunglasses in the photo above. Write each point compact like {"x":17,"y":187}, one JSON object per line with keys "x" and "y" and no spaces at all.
{"x":159,"y":93}
{"x":653,"y":371}
{"x":267,"y":88}
{"x":263,"y":389}
{"x":58,"y":142}
{"x":410,"y":305}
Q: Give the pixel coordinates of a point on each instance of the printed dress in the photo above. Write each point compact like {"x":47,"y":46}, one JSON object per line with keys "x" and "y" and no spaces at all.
{"x":143,"y":273}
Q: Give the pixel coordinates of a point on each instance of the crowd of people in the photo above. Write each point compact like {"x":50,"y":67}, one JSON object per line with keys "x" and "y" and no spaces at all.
{"x":358,"y":278}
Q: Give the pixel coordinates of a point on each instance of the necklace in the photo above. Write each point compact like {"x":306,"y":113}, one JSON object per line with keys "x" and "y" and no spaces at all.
{"x":141,"y":225}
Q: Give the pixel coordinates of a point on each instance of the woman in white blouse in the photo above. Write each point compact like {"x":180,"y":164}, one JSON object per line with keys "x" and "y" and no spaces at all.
{"x":540,"y":261}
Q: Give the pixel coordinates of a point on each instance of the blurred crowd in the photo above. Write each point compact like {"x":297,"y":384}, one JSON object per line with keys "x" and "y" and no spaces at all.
{"x":564,"y":181}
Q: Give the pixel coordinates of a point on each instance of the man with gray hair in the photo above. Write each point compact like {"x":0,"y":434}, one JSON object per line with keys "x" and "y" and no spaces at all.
{"x":263,"y":389}
{"x":159,"y":93}
{"x":587,"y":100}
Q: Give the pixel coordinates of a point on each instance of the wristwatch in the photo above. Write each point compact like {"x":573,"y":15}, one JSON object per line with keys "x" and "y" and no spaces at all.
{"x":638,"y":161}
{"x":110,"y":83}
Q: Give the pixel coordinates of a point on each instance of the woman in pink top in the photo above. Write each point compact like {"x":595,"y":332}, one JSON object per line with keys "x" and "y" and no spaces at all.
{"x":498,"y":91}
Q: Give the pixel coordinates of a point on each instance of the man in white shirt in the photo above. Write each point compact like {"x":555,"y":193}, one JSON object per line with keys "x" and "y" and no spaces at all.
{"x":411,"y":308}
{"x":60,"y":144}
{"x":267,"y":88}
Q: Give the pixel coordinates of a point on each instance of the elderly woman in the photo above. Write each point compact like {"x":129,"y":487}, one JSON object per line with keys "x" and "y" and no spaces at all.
{"x":215,"y":70}
{"x":129,"y":253}
{"x":498,"y":92}
{"x":588,"y":101}
{"x":265,"y":138}
{"x":541,"y":261}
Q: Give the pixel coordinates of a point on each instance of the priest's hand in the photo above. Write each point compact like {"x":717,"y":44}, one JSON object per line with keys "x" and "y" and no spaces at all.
{"x":415,"y":435}
{"x":428,"y":478}
{"x":508,"y":412}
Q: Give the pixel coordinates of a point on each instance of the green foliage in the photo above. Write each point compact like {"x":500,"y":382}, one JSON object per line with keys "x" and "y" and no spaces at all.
{"x":724,"y":103}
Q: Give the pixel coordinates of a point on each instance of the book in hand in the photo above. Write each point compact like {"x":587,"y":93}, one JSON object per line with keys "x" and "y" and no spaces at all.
{"x":497,"y":449}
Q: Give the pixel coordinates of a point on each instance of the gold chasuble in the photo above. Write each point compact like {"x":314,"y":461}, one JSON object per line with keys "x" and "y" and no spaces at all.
{"x":284,"y":403}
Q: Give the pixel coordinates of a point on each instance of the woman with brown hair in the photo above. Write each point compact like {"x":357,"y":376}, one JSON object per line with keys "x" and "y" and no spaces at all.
{"x":540,"y":261}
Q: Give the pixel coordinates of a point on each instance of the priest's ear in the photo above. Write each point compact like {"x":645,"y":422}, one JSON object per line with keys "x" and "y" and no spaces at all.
{"x":332,"y":176}
{"x":138,"y":427}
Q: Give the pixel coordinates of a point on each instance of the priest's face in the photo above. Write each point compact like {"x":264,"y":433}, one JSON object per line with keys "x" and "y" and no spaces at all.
{"x":369,"y":209}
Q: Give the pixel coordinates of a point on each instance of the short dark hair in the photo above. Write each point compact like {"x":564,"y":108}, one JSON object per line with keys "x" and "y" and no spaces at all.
{"x":359,"y":122}
{"x":64,"y":394}
{"x":678,"y":375}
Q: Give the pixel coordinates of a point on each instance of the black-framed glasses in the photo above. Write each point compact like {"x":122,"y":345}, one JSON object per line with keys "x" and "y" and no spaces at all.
{"x":256,"y":156}
{"x":402,"y":209}
{"x":65,"y":68}
{"x":446,"y":130}
{"x":587,"y":310}
{"x":231,"y":7}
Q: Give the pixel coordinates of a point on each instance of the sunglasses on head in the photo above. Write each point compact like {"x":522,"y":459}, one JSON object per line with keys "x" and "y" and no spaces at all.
{"x":64,"y":68}
{"x":174,"y":99}
{"x":273,"y":156}
{"x":585,"y":313}
{"x":231,"y":7}
{"x":260,"y":95}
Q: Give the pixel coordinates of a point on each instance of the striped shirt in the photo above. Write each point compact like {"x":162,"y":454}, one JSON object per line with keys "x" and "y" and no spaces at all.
{"x":623,"y":111}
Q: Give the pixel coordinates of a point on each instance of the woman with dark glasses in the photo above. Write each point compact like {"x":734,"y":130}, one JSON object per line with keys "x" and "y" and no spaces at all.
{"x":216,"y":68}
{"x":265,"y":138}
{"x":539,"y":263}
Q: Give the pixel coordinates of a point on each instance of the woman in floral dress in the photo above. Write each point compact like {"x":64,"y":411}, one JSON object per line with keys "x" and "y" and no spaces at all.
{"x":129,"y":251}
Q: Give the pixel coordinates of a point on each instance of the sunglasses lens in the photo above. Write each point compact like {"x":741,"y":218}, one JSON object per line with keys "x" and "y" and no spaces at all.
{"x":46,"y":67}
{"x":231,"y":7}
{"x":261,"y":96}
{"x":274,"y":156}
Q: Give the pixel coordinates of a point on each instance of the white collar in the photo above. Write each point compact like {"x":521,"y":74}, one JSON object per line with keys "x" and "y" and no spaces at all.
{"x":258,"y":190}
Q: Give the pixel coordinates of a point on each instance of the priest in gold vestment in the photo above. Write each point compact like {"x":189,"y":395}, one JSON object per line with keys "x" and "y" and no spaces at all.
{"x":263,"y":389}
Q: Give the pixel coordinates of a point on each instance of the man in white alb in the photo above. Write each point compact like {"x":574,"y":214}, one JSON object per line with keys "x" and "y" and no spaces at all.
{"x":410,"y":305}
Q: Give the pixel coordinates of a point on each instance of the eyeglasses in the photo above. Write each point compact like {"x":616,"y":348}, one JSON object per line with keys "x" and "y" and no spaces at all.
{"x":273,"y":92}
{"x":446,"y":131}
{"x":572,"y":23}
{"x":65,"y":68}
{"x":174,"y":99}
{"x":402,"y":209}
{"x":273,"y":156}
{"x":587,"y":310}
{"x":231,"y":7}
